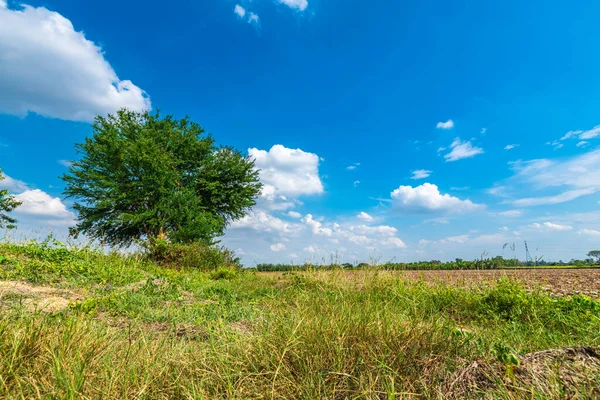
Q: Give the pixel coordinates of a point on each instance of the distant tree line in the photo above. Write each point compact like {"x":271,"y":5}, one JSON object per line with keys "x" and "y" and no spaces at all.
{"x":498,"y":262}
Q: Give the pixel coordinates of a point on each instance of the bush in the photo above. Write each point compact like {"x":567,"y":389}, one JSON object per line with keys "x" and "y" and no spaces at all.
{"x":196,"y":255}
{"x":223,"y":273}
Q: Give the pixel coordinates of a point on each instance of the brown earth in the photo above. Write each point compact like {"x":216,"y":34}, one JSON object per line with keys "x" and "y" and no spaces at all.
{"x":36,"y":298}
{"x":560,"y":282}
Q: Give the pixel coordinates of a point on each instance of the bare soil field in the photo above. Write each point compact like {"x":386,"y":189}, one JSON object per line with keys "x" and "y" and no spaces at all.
{"x":559,"y":282}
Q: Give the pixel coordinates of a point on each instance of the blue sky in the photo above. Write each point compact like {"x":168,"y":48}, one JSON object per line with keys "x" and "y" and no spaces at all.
{"x":493,"y":104}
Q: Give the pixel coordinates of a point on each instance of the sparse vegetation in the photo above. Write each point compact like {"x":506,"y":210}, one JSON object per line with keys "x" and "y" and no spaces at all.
{"x":134,"y":329}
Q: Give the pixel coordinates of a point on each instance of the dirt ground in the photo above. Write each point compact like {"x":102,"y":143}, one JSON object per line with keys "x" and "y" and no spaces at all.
{"x":560,"y":282}
{"x":35,"y":298}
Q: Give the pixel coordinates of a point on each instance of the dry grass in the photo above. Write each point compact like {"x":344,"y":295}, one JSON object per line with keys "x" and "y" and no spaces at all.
{"x":145,"y":332}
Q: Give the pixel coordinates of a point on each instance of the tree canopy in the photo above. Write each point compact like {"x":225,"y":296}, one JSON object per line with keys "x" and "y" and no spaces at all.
{"x":595,"y":254}
{"x":143,"y":176}
{"x":7,"y":204}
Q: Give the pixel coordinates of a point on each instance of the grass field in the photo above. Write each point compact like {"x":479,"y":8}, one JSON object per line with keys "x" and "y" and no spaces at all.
{"x":81,"y":324}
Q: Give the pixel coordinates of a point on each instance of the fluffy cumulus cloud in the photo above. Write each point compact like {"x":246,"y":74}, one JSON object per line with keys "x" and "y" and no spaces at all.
{"x":571,"y":178}
{"x":445,"y":125}
{"x":460,"y":150}
{"x":316,"y":227}
{"x":278,"y":247}
{"x":287,"y":175}
{"x":39,"y":213}
{"x":363,"y":216}
{"x":262,"y":221}
{"x":49,"y":68}
{"x":295,"y":4}
{"x":39,"y":203}
{"x":311,"y":236}
{"x":427,"y":198}
{"x":288,"y":172}
{"x":420,"y":174}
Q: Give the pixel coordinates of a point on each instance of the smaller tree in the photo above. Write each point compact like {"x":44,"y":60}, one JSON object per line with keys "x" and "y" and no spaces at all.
{"x":595,"y":254}
{"x":7,"y":204}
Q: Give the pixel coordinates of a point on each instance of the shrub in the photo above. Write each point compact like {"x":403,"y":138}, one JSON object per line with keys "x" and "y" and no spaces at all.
{"x":196,"y":255}
{"x":223,"y":273}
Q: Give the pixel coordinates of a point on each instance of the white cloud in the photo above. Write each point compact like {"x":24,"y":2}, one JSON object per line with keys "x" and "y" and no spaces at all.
{"x":264,"y":222}
{"x":420,"y":174}
{"x":510,"y":146}
{"x":555,"y":144}
{"x":311,"y":249}
{"x":557,"y":199}
{"x":356,"y":183}
{"x":578,"y":176}
{"x":294,"y":214}
{"x":393,"y":241}
{"x":239,"y":11}
{"x":549,"y":226}
{"x":439,"y":220}
{"x":460,"y":239}
{"x":49,"y":68}
{"x":14,"y":185}
{"x":511,"y":213}
{"x":427,"y":197}
{"x":588,"y":232}
{"x":37,"y":202}
{"x":278,"y":247}
{"x":445,"y":125}
{"x":557,"y":227}
{"x":462,"y":150}
{"x":353,"y":166}
{"x":256,"y":234}
{"x":3,"y":4}
{"x":381,"y":230}
{"x":364,"y":216}
{"x":296,"y":4}
{"x":583,"y":135}
{"x":66,"y":163}
{"x":288,"y":172}
{"x":253,"y":18}
{"x":483,"y":131}
{"x":316,"y":226}
{"x":583,"y":143}
{"x":498,"y":190}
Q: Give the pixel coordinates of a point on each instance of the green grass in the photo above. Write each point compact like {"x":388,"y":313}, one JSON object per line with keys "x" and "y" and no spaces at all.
{"x":143,"y":331}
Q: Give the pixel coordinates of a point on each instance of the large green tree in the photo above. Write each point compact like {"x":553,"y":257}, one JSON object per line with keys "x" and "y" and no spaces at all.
{"x":7,"y":204}
{"x":595,"y":254}
{"x":143,"y":176}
